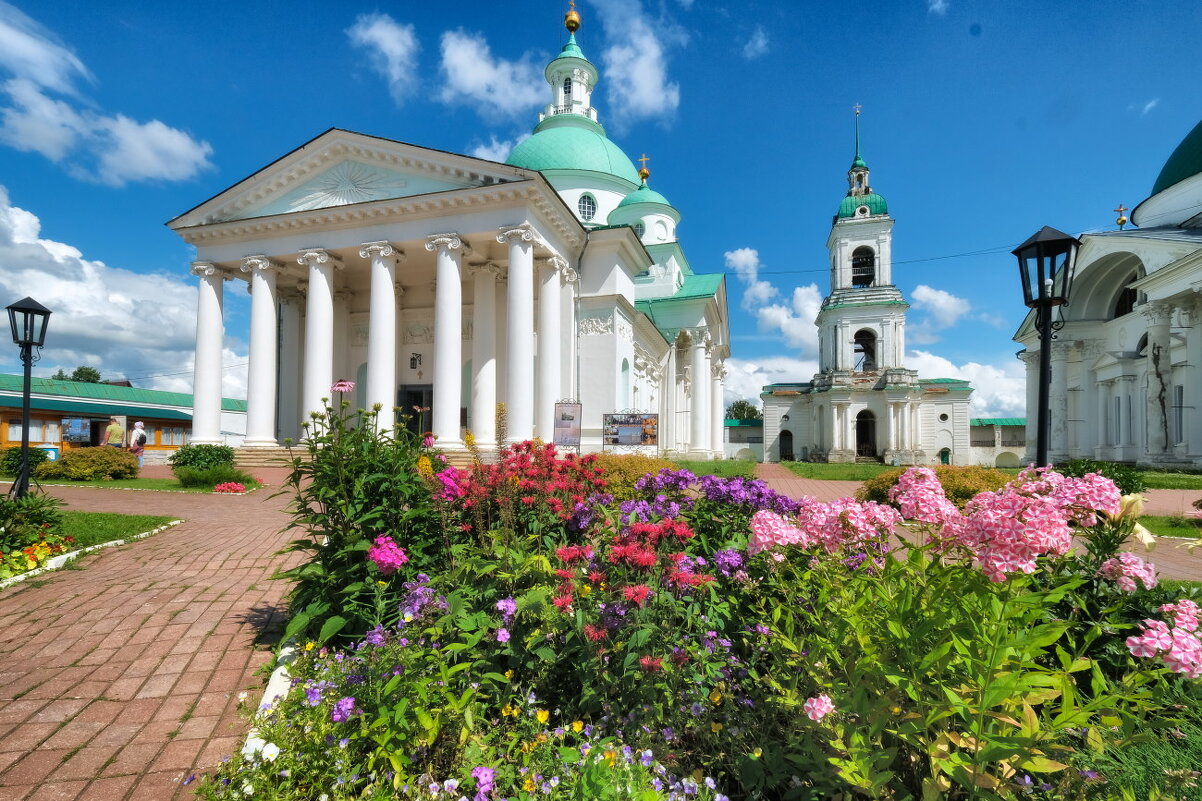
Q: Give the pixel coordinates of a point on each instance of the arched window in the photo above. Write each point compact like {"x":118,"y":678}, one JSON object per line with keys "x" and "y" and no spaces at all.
{"x":587,"y":207}
{"x":567,"y":90}
{"x":863,"y":266}
{"x":864,"y":352}
{"x":1125,"y":302}
{"x":640,"y":229}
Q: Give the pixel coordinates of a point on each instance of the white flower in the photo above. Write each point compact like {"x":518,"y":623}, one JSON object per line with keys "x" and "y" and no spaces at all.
{"x":271,"y":751}
{"x":248,"y":788}
{"x":252,"y":748}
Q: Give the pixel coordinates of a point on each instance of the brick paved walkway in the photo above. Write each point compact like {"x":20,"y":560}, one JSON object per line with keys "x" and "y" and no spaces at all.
{"x":119,"y":680}
{"x":1170,"y":557}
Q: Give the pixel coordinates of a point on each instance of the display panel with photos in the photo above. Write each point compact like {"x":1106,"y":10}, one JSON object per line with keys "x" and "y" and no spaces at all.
{"x":630,"y":429}
{"x":567,"y":425}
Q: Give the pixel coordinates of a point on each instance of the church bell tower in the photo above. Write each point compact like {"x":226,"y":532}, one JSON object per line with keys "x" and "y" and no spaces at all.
{"x":861,"y":325}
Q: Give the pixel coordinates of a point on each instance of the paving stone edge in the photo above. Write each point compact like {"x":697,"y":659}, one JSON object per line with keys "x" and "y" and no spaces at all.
{"x":58,"y":561}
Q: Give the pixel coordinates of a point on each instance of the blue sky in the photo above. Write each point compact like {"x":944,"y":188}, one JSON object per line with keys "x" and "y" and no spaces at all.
{"x":981,"y":122}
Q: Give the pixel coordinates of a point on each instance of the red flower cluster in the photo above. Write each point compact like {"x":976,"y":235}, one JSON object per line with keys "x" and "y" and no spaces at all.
{"x":651,"y":664}
{"x":574,"y":554}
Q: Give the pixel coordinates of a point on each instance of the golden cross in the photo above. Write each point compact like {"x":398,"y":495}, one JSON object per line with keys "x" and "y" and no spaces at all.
{"x":572,"y":4}
{"x":643,"y":161}
{"x":1121,"y":209}
{"x":857,"y":108}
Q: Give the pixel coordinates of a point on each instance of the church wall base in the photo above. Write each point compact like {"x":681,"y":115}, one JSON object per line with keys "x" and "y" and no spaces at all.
{"x":841,"y":455}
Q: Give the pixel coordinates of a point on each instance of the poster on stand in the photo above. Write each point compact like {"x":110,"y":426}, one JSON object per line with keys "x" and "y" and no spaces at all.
{"x":630,"y":429}
{"x":567,"y":425}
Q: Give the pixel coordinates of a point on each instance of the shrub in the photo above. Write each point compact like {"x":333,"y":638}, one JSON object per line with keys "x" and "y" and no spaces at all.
{"x":201,"y":457}
{"x":960,"y":484}
{"x":10,"y":460}
{"x":30,"y":533}
{"x":211,"y":476}
{"x":89,"y":464}
{"x":1128,"y":479}
{"x":623,"y":469}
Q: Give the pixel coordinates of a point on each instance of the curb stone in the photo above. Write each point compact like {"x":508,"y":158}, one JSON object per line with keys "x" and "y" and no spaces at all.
{"x":278,"y":686}
{"x":57,"y":562}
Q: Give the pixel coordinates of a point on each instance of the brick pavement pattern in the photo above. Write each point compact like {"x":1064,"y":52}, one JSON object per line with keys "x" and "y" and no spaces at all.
{"x":119,"y":680}
{"x":1172,"y":560}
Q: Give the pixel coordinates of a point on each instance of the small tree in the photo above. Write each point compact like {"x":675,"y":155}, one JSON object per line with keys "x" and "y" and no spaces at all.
{"x":88,"y":375}
{"x":743,"y":410}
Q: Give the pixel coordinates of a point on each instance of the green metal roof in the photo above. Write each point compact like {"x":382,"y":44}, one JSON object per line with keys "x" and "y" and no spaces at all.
{"x":997,"y":421}
{"x":1185,"y":161}
{"x":99,"y":410}
{"x":572,"y":142}
{"x":942,"y":381}
{"x":644,"y":194}
{"x":571,"y":49}
{"x":876,"y":205}
{"x":704,"y":285}
{"x":108,"y":392}
{"x":736,"y":423}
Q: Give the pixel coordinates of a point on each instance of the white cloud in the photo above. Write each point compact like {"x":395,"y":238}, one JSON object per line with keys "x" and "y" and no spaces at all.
{"x":746,"y":378}
{"x":746,"y":264}
{"x":757,"y":45}
{"x":496,"y":149}
{"x":636,"y":63}
{"x":121,"y":322}
{"x":500,"y":87}
{"x":1151,"y":104}
{"x":998,"y":391}
{"x":392,"y":49}
{"x":31,"y":51}
{"x":794,"y":321}
{"x":111,"y":149}
{"x":943,"y":307}
{"x":937,"y":6}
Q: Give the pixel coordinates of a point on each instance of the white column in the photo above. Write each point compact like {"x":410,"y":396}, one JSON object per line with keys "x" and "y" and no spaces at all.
{"x":1058,"y":447}
{"x":382,"y":331}
{"x":210,"y":340}
{"x":264,"y":350}
{"x":343,"y":369}
{"x":1030,"y":358}
{"x":448,"y":338}
{"x":718,"y":411}
{"x":319,"y":330}
{"x":1125,"y":387}
{"x":484,"y":354}
{"x":1087,"y":438}
{"x":519,"y":403}
{"x":550,"y":337}
{"x":699,"y":424}
{"x":571,"y":349}
{"x":289,"y":413}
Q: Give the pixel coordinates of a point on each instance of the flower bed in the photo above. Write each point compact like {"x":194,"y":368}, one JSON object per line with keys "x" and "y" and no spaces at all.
{"x":510,"y":632}
{"x":30,"y":534}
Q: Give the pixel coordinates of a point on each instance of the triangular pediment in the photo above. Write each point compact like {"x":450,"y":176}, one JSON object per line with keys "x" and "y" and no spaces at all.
{"x":341,"y":168}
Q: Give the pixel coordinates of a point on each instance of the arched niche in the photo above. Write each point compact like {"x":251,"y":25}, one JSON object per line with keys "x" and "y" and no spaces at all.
{"x":1101,"y":289}
{"x":863,"y":266}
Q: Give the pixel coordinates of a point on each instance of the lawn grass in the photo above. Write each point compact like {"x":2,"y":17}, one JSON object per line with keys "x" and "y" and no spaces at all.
{"x":847,"y":471}
{"x":726,"y":468}
{"x":1155,"y":479}
{"x":93,"y":528}
{"x":158,"y":484}
{"x":1172,"y":526}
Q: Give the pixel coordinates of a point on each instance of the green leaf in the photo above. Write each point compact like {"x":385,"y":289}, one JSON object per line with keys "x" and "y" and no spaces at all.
{"x":331,"y":627}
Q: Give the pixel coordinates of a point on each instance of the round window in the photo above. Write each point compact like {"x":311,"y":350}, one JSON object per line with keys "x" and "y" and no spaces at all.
{"x":943,"y":418}
{"x":862,"y":211}
{"x":640,"y":229}
{"x":587,"y":207}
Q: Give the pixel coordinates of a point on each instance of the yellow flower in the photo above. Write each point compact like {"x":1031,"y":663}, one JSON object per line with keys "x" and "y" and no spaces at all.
{"x":424,"y":467}
{"x":716,"y":697}
{"x":757,"y":753}
{"x":715,"y":727}
{"x":577,"y":726}
{"x":541,"y":738}
{"x":509,"y":674}
{"x":542,"y":715}
{"x":528,"y":785}
{"x":610,"y":757}
{"x":310,"y":645}
{"x":507,"y":711}
{"x":585,"y":590}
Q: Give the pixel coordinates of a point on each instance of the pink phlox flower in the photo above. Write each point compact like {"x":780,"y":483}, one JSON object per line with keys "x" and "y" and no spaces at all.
{"x":770,"y":530}
{"x":1185,"y":654}
{"x":1082,"y":498}
{"x":387,"y":555}
{"x":920,"y":497}
{"x":1178,"y":646}
{"x":453,"y":481}
{"x":343,"y":386}
{"x":818,"y":708}
{"x":1185,"y":614}
{"x":1125,"y":568}
{"x":1007,"y":531}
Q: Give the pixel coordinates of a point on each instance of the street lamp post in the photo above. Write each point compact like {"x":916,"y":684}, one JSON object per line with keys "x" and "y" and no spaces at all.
{"x":28,"y":319}
{"x":1045,"y":265}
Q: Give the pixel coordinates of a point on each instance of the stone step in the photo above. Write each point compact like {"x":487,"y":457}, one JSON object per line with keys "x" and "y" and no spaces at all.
{"x":263,"y":457}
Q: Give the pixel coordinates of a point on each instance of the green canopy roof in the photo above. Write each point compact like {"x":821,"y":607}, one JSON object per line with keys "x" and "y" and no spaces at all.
{"x":572,"y":142}
{"x":83,"y":390}
{"x":1185,"y":161}
{"x":876,"y":205}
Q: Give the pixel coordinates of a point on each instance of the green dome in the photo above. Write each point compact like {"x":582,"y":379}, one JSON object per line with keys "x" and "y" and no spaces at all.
{"x":644,"y":194}
{"x":875,"y":203}
{"x":1185,"y":162}
{"x":570,"y":144}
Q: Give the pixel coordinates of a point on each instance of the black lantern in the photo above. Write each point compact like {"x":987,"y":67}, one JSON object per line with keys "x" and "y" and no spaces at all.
{"x":28,"y":320}
{"x":1045,"y":265}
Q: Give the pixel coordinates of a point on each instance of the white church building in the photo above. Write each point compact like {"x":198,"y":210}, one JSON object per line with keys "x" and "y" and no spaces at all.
{"x":439,"y":280}
{"x":864,"y":404}
{"x":1127,"y":363}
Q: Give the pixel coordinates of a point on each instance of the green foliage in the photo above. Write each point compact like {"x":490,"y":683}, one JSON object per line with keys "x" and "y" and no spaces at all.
{"x":88,"y":464}
{"x":212,"y":476}
{"x":201,"y":457}
{"x":1172,"y":479}
{"x":623,"y":469}
{"x":10,"y":460}
{"x":88,"y":375}
{"x":30,"y":532}
{"x":93,"y":528}
{"x":836,"y":471}
{"x":1129,"y":479}
{"x":743,"y":410}
{"x":351,"y":485}
{"x":727,"y":468}
{"x":960,"y":484}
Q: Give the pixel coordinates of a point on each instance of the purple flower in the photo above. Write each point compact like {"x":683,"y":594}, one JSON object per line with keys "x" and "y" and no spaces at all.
{"x":728,"y":561}
{"x":344,"y":709}
{"x":502,"y":635}
{"x":484,"y":779}
{"x":508,"y":608}
{"x":375,"y":637}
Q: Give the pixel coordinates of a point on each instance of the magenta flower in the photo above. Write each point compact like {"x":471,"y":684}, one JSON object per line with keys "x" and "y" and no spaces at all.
{"x":343,"y":386}
{"x":502,"y":635}
{"x":1124,"y":569}
{"x":344,"y":709}
{"x":387,"y":555}
{"x":818,"y":708}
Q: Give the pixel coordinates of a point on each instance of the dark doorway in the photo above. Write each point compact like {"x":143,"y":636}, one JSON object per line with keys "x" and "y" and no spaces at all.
{"x":865,"y":434}
{"x":786,"y":446}
{"x":416,"y":403}
{"x":945,"y":456}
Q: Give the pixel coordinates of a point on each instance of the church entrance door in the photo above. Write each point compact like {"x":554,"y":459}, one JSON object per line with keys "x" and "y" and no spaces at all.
{"x":786,"y":446}
{"x":865,"y":434}
{"x":416,"y":401}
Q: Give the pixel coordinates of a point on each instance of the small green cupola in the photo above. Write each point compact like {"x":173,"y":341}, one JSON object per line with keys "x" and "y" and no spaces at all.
{"x":860,"y":201}
{"x":653,"y":218}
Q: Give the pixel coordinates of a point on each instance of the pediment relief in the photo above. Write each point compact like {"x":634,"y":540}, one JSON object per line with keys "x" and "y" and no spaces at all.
{"x":341,"y":168}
